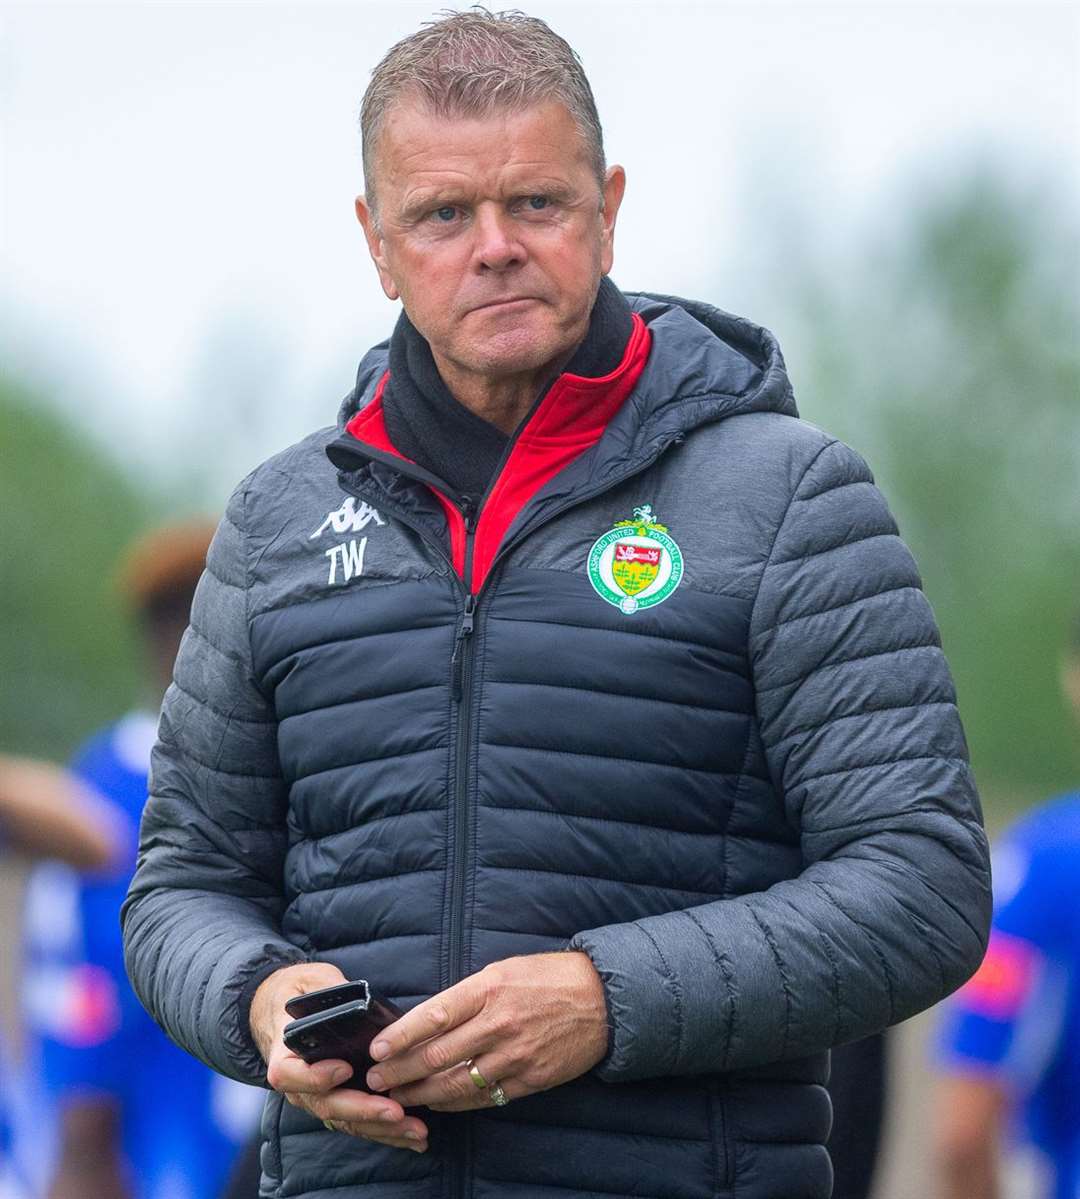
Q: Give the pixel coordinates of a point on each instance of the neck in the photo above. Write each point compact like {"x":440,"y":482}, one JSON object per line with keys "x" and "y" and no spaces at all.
{"x":504,"y":402}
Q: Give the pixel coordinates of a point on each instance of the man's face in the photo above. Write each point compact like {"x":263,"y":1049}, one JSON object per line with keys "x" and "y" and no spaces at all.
{"x":493,"y":232}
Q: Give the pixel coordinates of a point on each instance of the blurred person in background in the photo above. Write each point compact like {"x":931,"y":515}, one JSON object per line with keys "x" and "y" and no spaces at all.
{"x":45,"y":812}
{"x":1009,"y":1045}
{"x":137,"y":1117}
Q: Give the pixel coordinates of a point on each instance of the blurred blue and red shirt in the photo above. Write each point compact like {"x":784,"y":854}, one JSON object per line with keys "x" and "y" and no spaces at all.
{"x":182,"y":1125}
{"x":1018,"y":1019}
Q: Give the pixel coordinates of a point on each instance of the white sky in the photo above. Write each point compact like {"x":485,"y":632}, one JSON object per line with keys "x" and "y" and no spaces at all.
{"x":178,"y":178}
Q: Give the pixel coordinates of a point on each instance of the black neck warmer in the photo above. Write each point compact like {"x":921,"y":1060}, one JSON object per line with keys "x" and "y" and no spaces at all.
{"x":428,"y":425}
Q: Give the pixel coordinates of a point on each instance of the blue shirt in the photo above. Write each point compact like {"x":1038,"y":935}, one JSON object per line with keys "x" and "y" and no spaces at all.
{"x":181,"y":1124}
{"x":1018,"y":1020}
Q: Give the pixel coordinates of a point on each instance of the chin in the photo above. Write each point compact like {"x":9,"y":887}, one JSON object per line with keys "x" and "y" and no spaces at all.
{"x":515,"y":352}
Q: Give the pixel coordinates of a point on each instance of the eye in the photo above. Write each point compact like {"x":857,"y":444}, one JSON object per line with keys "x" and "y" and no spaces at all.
{"x":445,"y":214}
{"x":537,"y":203}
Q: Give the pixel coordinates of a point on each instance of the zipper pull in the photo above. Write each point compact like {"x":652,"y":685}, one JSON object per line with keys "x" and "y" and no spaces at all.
{"x":467,"y":617}
{"x":457,"y":661}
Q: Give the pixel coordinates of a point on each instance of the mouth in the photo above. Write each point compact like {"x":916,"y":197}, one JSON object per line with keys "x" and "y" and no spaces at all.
{"x":509,"y":302}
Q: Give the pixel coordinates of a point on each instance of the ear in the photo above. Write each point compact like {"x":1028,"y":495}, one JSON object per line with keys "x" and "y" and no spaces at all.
{"x":376,"y":247}
{"x":614,"y":186}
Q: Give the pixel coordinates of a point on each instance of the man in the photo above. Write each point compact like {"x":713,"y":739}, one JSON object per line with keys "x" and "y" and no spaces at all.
{"x":1010,"y":1041}
{"x":138,"y":1119}
{"x":600,"y":722}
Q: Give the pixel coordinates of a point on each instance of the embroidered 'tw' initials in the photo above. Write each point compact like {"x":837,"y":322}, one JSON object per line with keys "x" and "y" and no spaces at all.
{"x":350,"y":557}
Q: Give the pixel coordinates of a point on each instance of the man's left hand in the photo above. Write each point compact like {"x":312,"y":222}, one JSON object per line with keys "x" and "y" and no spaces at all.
{"x":528,"y":1023}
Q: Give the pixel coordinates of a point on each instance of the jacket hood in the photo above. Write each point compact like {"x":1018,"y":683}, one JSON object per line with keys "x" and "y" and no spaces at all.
{"x":712,"y":365}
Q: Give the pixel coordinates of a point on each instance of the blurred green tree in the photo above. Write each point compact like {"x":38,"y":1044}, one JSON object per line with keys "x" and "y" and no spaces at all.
{"x":951,"y":358}
{"x":67,"y":649}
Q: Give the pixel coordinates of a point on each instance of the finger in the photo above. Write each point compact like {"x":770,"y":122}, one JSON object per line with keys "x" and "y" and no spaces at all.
{"x":513,"y":1088}
{"x":396,"y":1140}
{"x":356,"y":1107}
{"x":408,"y":1128}
{"x":287,"y":1071}
{"x":430,"y":1057}
{"x":436,"y":1015}
{"x":454,"y":1086}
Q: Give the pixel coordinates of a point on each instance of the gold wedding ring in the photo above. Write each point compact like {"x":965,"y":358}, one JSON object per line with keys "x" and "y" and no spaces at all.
{"x":476,"y":1076}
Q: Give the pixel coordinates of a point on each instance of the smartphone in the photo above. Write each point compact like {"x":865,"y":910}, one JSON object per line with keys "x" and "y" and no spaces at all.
{"x":343,"y":1031}
{"x":320,"y":1001}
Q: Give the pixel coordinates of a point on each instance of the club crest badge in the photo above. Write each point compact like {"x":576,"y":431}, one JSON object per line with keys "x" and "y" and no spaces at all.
{"x":635,"y":564}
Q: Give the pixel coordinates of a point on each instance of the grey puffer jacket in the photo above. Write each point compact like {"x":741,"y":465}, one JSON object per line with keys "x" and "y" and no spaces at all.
{"x":695,"y":721}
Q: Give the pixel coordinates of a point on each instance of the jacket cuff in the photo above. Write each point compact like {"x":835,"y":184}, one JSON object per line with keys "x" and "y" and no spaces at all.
{"x":642,"y":1002}
{"x":246,"y":1058}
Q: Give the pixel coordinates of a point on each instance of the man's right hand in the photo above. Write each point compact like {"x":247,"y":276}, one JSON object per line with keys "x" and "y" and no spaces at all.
{"x":312,"y":1087}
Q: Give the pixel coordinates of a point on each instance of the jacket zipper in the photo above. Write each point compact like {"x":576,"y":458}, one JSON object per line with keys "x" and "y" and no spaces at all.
{"x":461,"y":679}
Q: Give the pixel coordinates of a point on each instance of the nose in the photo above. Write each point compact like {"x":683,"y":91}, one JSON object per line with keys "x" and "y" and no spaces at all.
{"x":498,"y":246}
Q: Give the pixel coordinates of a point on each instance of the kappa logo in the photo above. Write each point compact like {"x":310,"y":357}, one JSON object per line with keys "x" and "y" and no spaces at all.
{"x":635,"y":564}
{"x":347,"y":557}
{"x":349,"y":518}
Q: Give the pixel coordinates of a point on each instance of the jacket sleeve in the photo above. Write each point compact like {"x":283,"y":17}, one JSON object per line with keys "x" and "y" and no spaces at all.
{"x":202,"y":916}
{"x":861,"y":738}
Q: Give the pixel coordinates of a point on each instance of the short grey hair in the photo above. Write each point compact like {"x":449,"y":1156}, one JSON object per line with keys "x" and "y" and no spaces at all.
{"x":477,"y":62}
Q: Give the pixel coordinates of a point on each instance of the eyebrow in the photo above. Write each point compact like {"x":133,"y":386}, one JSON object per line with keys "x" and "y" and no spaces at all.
{"x":428,"y":199}
{"x":425,"y":201}
{"x":540,"y":185}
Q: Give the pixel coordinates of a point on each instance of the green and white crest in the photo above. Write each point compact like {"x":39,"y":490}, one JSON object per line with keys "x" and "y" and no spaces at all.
{"x":635,"y":564}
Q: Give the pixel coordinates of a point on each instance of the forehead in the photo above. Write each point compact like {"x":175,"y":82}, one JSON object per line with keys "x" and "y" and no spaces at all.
{"x":416,"y":142}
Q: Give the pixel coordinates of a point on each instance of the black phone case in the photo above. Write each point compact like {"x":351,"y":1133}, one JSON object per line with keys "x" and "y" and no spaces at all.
{"x":344,"y":1032}
{"x":328,"y":997}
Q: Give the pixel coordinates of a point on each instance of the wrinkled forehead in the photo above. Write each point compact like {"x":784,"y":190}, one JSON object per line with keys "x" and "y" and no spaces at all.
{"x":414,"y":124}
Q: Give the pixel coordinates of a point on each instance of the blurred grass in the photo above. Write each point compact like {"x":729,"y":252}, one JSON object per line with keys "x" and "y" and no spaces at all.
{"x":67,"y":651}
